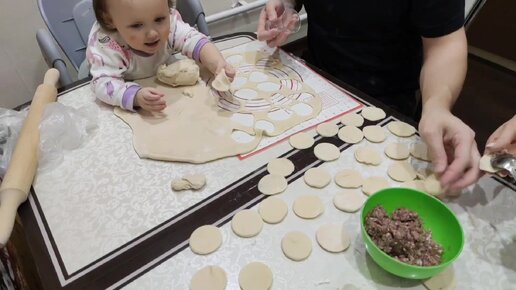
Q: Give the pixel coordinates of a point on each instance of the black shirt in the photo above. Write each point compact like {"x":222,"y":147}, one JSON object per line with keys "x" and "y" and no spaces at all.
{"x":375,"y":45}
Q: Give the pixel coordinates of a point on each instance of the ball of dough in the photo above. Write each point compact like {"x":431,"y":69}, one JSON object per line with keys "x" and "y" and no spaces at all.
{"x":373,"y":184}
{"x":317,"y":177}
{"x":280,"y":166}
{"x":273,"y":210}
{"x":255,"y":276}
{"x":401,"y":129}
{"x":397,"y":151}
{"x":327,"y":129}
{"x":326,"y":152}
{"x":373,"y":114}
{"x":272,"y":184}
{"x":349,"y":201}
{"x":348,"y":178}
{"x":374,"y":133}
{"x":352,"y":119}
{"x":333,"y":238}
{"x":296,"y":246}
{"x":209,"y":277}
{"x":247,"y":223}
{"x":350,"y":134}
{"x":205,"y":240}
{"x":184,"y":72}
{"x":301,"y":140}
{"x":308,"y":206}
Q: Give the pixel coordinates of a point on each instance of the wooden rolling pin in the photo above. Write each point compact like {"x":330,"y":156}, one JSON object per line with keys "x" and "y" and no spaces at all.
{"x":24,"y":160}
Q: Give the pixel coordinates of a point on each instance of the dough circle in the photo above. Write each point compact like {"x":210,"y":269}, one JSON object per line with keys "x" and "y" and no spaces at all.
{"x":308,"y":206}
{"x":301,"y":140}
{"x":432,"y":185}
{"x":373,"y":184}
{"x":350,"y":134}
{"x":255,"y":276}
{"x":397,"y":151}
{"x":280,"y":166}
{"x":374,"y":133}
{"x":348,"y":178}
{"x":401,"y":129}
{"x":273,"y":210}
{"x":327,"y":129}
{"x":373,"y":113}
{"x":296,"y":246}
{"x":247,"y":223}
{"x":349,"y":201}
{"x":272,"y":184}
{"x":326,"y":152}
{"x":401,"y":171}
{"x":443,"y":281}
{"x":221,"y":82}
{"x":205,"y":240}
{"x":352,"y":119}
{"x":333,"y":238}
{"x":317,"y":177}
{"x":420,"y":151}
{"x":485,"y":164}
{"x":368,"y":155}
{"x":209,"y":277}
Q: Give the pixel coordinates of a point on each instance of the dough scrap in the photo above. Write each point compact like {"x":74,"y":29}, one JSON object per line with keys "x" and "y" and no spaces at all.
{"x":209,"y":277}
{"x":247,"y":223}
{"x":184,"y":72}
{"x":352,"y":119}
{"x":273,"y":210}
{"x":272,"y":184}
{"x":373,"y":114}
{"x":368,"y":155}
{"x":374,"y":133}
{"x":397,"y":151}
{"x":280,"y":166}
{"x":349,"y":201}
{"x":189,"y":181}
{"x":317,"y":177}
{"x":433,"y":185}
{"x":301,"y":140}
{"x":401,"y":171}
{"x":296,"y":246}
{"x":308,"y":206}
{"x":420,"y":151}
{"x":327,"y":129}
{"x":401,"y":129}
{"x":333,"y":238}
{"x":188,"y":93}
{"x":443,"y":281}
{"x":348,"y":178}
{"x":373,"y":184}
{"x":205,"y":240}
{"x":350,"y":134}
{"x":221,"y":82}
{"x":255,"y":276}
{"x":485,"y":164}
{"x":326,"y":152}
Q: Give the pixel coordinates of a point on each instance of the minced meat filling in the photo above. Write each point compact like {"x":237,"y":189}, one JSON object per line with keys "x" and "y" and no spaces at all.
{"x":402,"y":236}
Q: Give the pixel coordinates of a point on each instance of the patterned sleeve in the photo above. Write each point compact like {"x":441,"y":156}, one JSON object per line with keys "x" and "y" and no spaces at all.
{"x":108,"y":63}
{"x":185,"y":38}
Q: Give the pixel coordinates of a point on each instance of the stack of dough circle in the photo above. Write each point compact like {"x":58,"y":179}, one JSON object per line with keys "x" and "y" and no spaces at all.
{"x":317,"y":177}
{"x":432,"y":185}
{"x":401,"y":171}
{"x":401,"y":129}
{"x":296,"y":246}
{"x":373,"y":114}
{"x":349,"y":201}
{"x":247,"y":223}
{"x":308,"y":206}
{"x":368,"y":155}
{"x":255,"y":276}
{"x":397,"y":151}
{"x":205,"y":240}
{"x":302,"y":140}
{"x":272,"y":184}
{"x":348,"y":178}
{"x":326,"y":152}
{"x":350,"y":134}
{"x":373,"y":184}
{"x":327,"y":129}
{"x":352,"y":119}
{"x":273,"y":210}
{"x":280,"y":166}
{"x":374,"y":133}
{"x":209,"y":277}
{"x":420,"y":151}
{"x":333,"y":238}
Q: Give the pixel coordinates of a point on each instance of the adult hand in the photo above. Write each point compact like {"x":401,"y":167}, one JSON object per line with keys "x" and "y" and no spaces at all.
{"x":150,"y":99}
{"x":503,"y":139}
{"x":452,"y":147}
{"x":270,"y":14}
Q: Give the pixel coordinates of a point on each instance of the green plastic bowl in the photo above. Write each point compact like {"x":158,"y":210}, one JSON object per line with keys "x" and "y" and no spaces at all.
{"x":436,"y":217}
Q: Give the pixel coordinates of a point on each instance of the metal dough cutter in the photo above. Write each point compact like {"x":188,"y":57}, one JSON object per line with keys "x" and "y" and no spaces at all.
{"x":505,"y":161}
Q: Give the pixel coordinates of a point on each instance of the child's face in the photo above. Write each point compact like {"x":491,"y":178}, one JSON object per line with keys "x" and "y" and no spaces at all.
{"x":143,"y":24}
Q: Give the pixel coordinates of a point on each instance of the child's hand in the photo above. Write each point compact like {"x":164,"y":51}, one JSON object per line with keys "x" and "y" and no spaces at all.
{"x":228,"y":69}
{"x":150,"y":99}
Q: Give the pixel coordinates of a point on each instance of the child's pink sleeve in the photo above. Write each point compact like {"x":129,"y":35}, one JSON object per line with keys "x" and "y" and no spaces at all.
{"x":185,"y":38}
{"x":108,"y":63}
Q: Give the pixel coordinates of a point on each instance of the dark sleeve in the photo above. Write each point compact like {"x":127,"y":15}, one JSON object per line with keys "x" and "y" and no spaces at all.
{"x":435,"y":18}
{"x":299,"y":5}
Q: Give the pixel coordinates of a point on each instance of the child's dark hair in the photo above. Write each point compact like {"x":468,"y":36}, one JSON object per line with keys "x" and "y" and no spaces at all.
{"x":100,"y":8}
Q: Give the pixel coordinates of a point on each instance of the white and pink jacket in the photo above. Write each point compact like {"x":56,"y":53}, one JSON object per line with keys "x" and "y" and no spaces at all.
{"x":112,"y":61}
